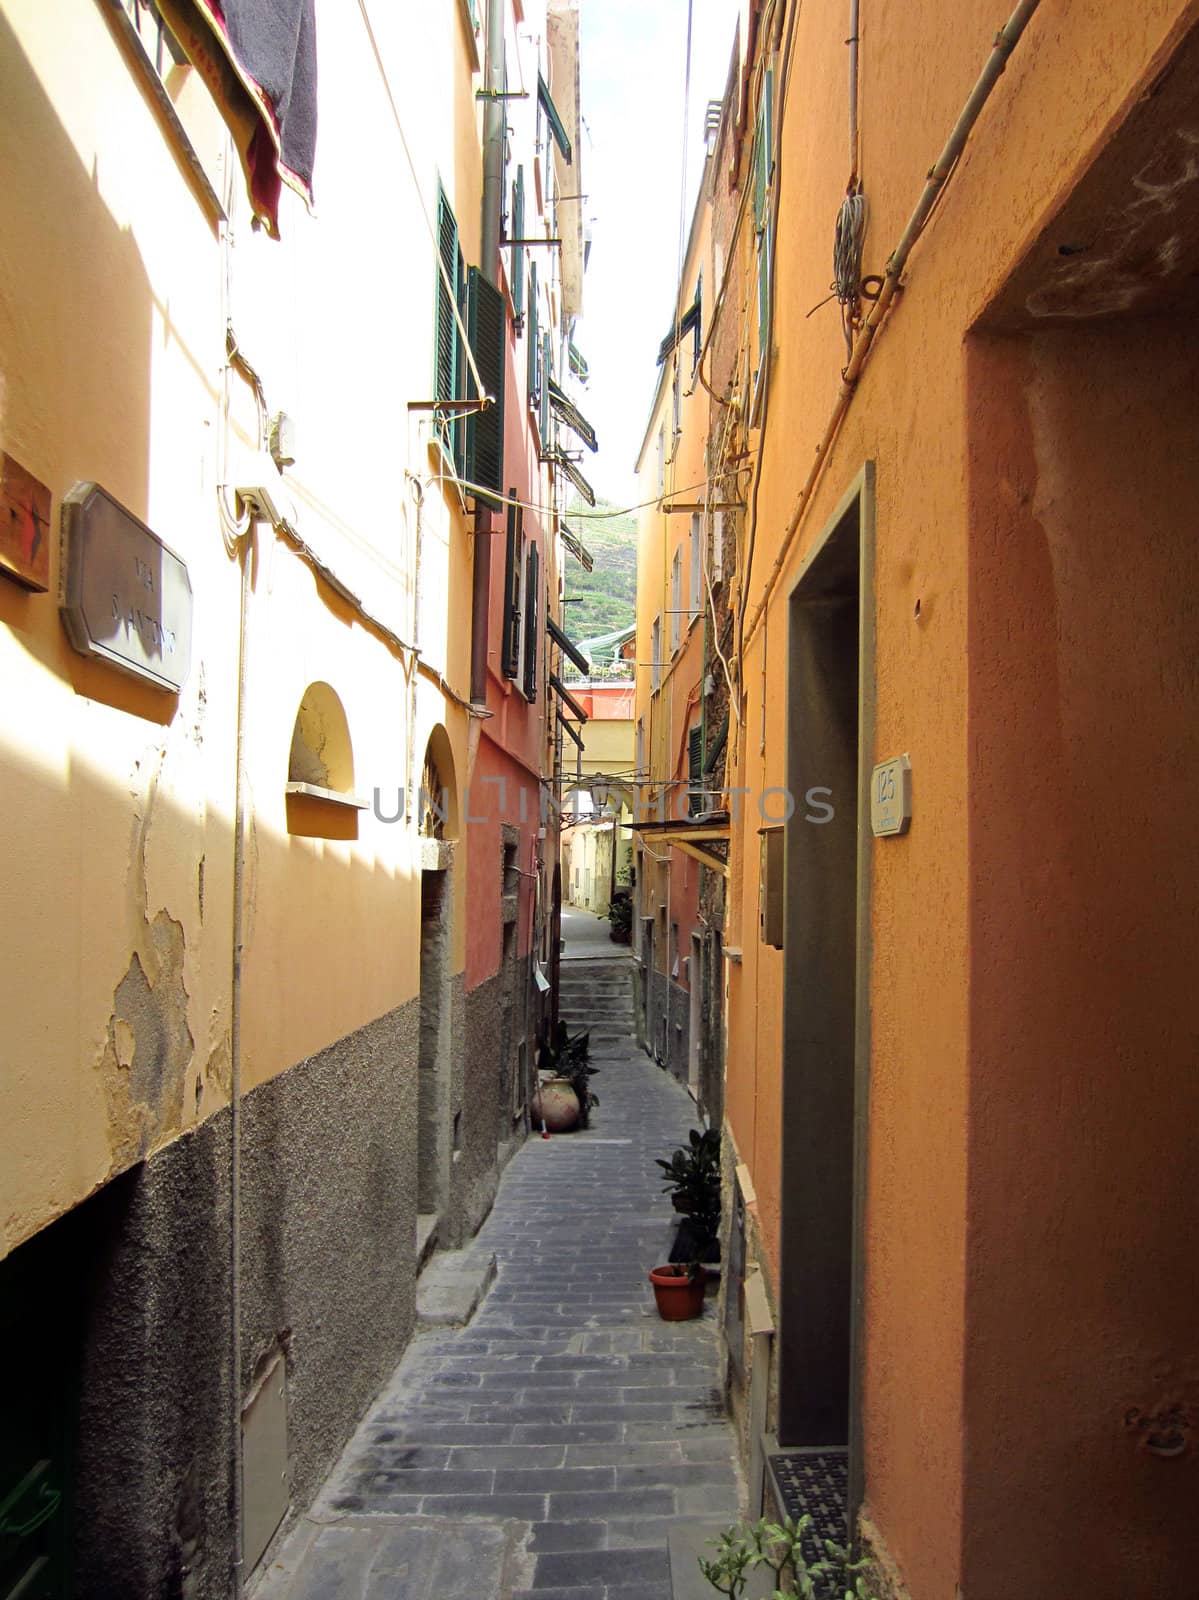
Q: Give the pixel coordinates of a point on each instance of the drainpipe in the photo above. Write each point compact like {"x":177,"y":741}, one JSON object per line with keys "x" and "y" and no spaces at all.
{"x":493,"y":182}
{"x":239,"y":870}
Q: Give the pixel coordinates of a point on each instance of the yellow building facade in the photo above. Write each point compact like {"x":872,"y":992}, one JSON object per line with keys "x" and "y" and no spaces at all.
{"x":236,"y":746}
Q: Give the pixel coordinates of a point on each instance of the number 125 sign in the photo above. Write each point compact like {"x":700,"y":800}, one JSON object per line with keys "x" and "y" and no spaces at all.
{"x":891,"y":798}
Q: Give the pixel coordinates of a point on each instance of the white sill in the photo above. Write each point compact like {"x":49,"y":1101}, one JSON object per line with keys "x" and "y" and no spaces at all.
{"x":334,"y":797}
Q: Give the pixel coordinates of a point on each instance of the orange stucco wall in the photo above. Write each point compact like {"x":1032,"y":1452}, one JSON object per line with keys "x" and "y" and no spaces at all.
{"x":991,"y":939}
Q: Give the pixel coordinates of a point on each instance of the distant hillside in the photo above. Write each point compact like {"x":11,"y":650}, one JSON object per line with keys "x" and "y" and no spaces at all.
{"x":608,"y":595}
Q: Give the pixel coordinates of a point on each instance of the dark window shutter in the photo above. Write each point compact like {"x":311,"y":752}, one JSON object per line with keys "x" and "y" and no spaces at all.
{"x":486,"y":326}
{"x":547,"y":372}
{"x":534,"y":337}
{"x":699,"y":324}
{"x":695,"y":768}
{"x":511,"y":636}
{"x":445,"y":329}
{"x":532,"y":596}
{"x":517,"y":263}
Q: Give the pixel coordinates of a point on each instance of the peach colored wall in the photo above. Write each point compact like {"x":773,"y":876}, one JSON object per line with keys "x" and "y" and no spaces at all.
{"x":1072,"y":75}
{"x":1081,"y":1288}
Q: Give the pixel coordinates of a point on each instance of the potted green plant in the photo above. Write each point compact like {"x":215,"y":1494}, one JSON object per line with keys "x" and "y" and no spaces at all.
{"x":620,"y":919}
{"x":679,"y":1290}
{"x":788,"y":1548}
{"x":692,"y":1179}
{"x":565,"y":1098}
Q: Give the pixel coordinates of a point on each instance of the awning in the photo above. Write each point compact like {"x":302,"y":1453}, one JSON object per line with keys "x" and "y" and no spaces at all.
{"x":557,"y":459}
{"x":570,"y":414}
{"x":566,"y":697}
{"x":577,"y":548}
{"x":688,"y":321}
{"x":257,"y":59}
{"x":567,"y":645}
{"x":557,"y":126}
{"x":694,"y":836}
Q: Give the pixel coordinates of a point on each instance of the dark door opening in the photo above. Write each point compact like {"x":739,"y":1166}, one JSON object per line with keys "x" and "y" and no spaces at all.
{"x":433,"y":1059}
{"x":820,"y":1034}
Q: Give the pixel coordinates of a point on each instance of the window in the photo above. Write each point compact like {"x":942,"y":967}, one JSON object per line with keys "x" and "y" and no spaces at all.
{"x":178,"y":91}
{"x":676,"y":599}
{"x":695,"y":770}
{"x":655,"y":651}
{"x":697,"y":556}
{"x":446,"y":340}
{"x":483,"y":434}
{"x":516,"y":265}
{"x":534,"y":340}
{"x":763,"y":175}
{"x":532,"y":596}
{"x":511,"y":640}
{"x":474,"y":442}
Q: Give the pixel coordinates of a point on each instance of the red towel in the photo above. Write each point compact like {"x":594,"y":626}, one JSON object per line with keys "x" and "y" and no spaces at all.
{"x":258,"y":59}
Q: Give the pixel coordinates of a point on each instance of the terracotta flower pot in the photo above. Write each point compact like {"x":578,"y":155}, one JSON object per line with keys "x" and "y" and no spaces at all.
{"x":680,"y":1295}
{"x":557,"y":1105}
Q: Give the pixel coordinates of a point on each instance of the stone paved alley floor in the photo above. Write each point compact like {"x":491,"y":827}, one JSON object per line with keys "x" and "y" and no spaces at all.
{"x":546,"y":1449}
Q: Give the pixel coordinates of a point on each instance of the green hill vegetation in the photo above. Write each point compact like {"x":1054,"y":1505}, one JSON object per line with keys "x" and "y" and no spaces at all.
{"x":607,"y":596}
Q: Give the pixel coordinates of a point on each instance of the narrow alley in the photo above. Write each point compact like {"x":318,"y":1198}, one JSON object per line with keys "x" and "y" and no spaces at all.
{"x":556,"y":1442}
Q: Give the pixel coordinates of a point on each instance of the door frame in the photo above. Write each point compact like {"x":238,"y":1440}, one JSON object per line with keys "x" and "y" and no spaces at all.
{"x":860,"y":493}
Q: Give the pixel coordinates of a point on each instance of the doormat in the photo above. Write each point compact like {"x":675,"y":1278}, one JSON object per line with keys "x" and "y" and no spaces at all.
{"x":814,"y":1483}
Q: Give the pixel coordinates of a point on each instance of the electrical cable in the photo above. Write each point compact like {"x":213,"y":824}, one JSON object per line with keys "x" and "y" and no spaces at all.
{"x":450,"y":288}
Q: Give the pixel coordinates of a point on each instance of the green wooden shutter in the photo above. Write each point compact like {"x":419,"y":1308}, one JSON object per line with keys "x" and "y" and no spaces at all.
{"x":486,"y":327}
{"x":511,"y":634}
{"x":547,"y":372}
{"x":532,"y":640}
{"x":445,"y":329}
{"x":534,"y":338}
{"x":517,"y":262}
{"x":695,"y":769}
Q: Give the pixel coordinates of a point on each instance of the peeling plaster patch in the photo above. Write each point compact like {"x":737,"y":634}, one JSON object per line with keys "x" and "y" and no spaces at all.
{"x":149,"y":1045}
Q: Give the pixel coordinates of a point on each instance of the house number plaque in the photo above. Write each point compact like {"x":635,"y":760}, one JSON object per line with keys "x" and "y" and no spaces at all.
{"x":891,"y":798}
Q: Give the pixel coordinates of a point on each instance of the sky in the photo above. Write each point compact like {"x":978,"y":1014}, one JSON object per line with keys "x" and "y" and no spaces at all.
{"x":632,"y":76}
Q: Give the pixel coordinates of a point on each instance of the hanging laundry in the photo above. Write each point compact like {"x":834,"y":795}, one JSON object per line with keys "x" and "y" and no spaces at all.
{"x":258,"y":59}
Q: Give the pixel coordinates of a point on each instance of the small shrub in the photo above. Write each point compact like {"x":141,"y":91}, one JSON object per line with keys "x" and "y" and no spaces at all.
{"x":779,"y":1546}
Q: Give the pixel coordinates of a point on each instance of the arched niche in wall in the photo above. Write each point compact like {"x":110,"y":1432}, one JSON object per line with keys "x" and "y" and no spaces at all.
{"x":321,"y":802}
{"x":437,"y":797}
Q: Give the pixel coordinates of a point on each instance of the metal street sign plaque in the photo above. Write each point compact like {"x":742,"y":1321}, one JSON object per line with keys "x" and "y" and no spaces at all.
{"x":126,"y":598}
{"x":891,"y":798}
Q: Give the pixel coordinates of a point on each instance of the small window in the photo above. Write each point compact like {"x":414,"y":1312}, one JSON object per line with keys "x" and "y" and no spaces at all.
{"x":655,"y":651}
{"x":532,"y":597}
{"x":695,"y":770}
{"x":447,"y":351}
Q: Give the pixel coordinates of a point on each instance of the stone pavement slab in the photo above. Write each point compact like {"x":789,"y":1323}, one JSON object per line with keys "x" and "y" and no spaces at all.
{"x":550,"y":1448}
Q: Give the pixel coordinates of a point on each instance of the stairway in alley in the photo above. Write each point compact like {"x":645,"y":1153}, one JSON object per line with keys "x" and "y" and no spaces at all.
{"x":550,"y":1448}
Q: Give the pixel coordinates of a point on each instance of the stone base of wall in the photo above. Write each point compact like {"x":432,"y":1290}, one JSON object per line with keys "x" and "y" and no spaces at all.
{"x":139,"y":1278}
{"x":668,"y":1022}
{"x":490,"y":1134}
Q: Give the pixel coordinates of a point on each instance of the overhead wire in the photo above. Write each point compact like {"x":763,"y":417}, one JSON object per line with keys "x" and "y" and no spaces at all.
{"x":450,"y":288}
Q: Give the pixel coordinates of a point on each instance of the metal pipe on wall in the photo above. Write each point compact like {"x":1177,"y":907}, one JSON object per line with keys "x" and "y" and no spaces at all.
{"x":1005,"y":42}
{"x":239,"y":871}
